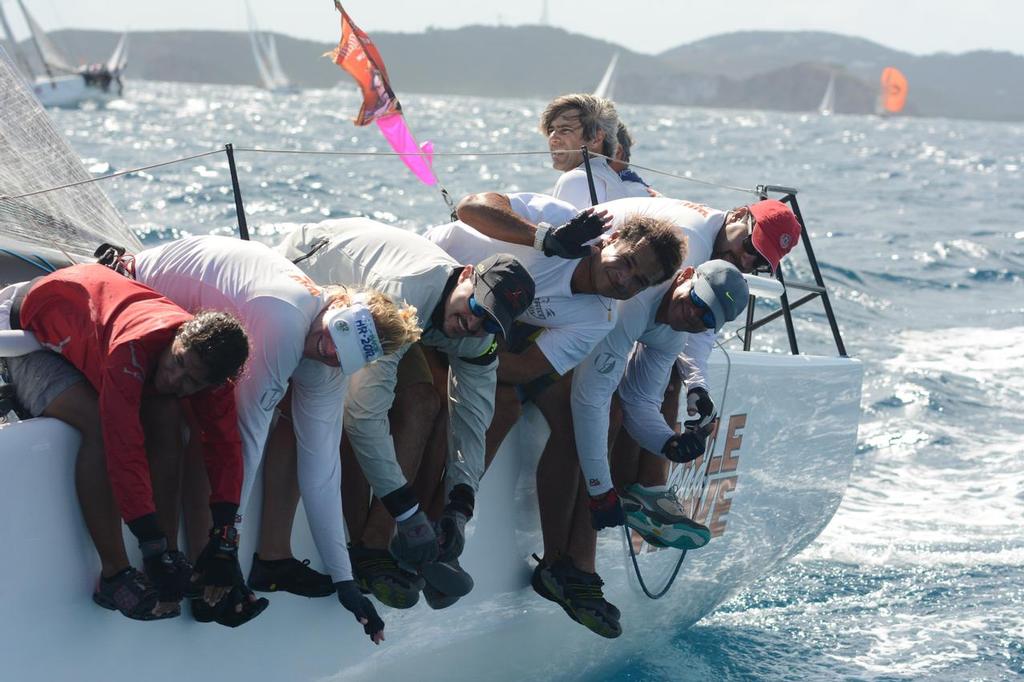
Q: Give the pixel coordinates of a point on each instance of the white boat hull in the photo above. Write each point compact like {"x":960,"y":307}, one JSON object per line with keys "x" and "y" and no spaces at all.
{"x":782,"y":478}
{"x":70,"y":91}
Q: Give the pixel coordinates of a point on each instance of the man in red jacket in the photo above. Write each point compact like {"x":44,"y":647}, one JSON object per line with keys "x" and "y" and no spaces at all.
{"x":127,"y":355}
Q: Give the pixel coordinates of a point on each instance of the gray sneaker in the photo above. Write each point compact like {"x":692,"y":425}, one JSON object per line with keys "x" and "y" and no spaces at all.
{"x":660,"y":520}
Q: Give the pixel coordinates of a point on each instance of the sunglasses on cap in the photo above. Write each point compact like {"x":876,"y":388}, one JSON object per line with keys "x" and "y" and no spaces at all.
{"x":760,"y":262}
{"x":490,"y":325}
{"x":708,"y":317}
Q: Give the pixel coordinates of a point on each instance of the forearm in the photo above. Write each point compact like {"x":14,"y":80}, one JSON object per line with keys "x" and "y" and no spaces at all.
{"x":522,"y":368}
{"x":491,"y":214}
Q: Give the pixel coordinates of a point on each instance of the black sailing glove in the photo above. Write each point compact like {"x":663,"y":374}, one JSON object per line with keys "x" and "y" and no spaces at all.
{"x":686,"y":446}
{"x":168,"y":571}
{"x":569,"y":240}
{"x":353,"y":600}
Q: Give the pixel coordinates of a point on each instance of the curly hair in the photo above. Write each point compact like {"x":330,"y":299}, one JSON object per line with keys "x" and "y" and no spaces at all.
{"x":669,"y":244}
{"x":220,"y":342}
{"x":595,"y":113}
{"x":397,"y":325}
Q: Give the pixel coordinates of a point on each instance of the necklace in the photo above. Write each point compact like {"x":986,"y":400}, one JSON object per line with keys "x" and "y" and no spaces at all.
{"x":593,"y":287}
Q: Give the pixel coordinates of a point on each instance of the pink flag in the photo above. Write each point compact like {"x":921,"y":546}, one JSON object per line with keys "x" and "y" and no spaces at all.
{"x":358,"y":56}
{"x":401,"y":140}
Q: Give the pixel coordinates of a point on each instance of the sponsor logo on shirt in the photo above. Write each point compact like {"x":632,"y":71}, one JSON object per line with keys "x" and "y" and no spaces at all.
{"x":539,"y":308}
{"x":604,"y":363}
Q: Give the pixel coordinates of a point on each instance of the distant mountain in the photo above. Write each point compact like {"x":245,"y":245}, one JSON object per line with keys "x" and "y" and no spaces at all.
{"x":752,"y":69}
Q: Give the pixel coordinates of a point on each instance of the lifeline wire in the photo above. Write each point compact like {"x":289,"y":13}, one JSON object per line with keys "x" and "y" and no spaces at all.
{"x":340,"y":153}
{"x":703,"y":489}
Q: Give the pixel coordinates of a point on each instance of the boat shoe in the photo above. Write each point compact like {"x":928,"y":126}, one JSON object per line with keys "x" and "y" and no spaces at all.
{"x":130,"y":593}
{"x":660,"y":520}
{"x":579,"y":594}
{"x":376,"y":571}
{"x":289,"y":575}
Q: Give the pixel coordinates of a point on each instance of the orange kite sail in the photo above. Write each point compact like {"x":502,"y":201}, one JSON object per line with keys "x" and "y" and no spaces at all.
{"x":893,"y":94}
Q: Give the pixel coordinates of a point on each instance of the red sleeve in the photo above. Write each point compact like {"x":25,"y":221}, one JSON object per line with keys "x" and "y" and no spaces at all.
{"x":222,"y":444}
{"x":120,"y":399}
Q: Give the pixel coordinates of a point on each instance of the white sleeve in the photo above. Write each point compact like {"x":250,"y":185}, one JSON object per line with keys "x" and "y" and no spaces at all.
{"x":643,"y":391}
{"x":318,"y":399}
{"x":694,"y":359}
{"x":572,"y":187}
{"x":275,"y":352}
{"x":565,"y":347}
{"x":593,"y":384}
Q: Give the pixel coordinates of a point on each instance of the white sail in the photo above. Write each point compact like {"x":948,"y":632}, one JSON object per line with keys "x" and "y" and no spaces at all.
{"x":8,"y":36}
{"x":264,"y":53}
{"x":119,"y":57}
{"x":828,"y":101}
{"x":606,"y":88}
{"x":51,"y":55}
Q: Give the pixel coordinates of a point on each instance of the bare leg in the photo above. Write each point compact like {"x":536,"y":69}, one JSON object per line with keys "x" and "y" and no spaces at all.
{"x":429,"y":484}
{"x":558,"y":469}
{"x":507,"y":409}
{"x":161,"y":421}
{"x":79,"y":407}
{"x":195,"y":493}
{"x":412,"y":419}
{"x":280,"y":492}
{"x":355,"y":491}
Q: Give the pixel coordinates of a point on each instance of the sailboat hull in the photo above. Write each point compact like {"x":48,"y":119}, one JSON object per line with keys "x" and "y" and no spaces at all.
{"x":780,"y":467}
{"x":70,"y":91}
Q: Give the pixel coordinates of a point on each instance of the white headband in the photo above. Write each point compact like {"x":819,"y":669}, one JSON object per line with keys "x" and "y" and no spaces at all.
{"x":354,"y":335}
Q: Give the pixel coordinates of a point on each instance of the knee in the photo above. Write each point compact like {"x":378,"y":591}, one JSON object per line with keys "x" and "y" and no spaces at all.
{"x":420,"y":399}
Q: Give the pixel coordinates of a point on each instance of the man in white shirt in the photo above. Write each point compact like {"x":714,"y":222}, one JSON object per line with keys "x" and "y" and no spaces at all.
{"x":745,"y":236}
{"x":573,"y":121}
{"x":462,"y":308}
{"x":288,"y":318}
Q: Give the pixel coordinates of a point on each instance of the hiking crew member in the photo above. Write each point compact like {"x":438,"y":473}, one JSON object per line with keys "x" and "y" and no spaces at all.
{"x":573,"y":121}
{"x":289,"y":321}
{"x":120,"y":357}
{"x":462,"y":307}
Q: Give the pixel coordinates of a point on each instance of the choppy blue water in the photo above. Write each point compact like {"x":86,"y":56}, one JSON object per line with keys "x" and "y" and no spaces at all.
{"x":919,"y":228}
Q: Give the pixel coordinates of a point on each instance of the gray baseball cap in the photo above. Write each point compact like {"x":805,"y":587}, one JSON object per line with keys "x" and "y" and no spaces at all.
{"x":723,"y":288}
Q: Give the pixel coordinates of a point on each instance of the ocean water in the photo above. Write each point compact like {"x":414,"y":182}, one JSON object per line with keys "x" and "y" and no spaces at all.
{"x":917,"y":225}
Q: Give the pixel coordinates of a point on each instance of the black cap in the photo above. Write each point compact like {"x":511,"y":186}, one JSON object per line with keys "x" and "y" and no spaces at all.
{"x":502,"y":287}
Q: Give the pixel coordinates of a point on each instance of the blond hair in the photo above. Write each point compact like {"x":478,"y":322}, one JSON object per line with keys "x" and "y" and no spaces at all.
{"x":396,"y":325}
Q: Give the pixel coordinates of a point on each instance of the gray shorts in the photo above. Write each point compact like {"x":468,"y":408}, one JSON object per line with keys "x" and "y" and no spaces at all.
{"x":40,"y":377}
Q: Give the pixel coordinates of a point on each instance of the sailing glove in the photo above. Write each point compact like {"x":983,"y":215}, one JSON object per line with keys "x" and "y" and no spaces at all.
{"x":686,"y":446}
{"x":699,"y":405}
{"x":451,"y":528}
{"x":606,"y":511}
{"x":414,"y":542}
{"x":168,"y":571}
{"x":218,"y":561}
{"x":353,"y":600}
{"x":570,"y":240}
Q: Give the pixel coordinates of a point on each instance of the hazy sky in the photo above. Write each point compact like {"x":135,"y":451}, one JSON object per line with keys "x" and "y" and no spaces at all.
{"x":650,"y":26}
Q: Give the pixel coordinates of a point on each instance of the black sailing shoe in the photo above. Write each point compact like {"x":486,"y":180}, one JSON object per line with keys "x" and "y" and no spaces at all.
{"x":289,"y":575}
{"x":579,"y":594}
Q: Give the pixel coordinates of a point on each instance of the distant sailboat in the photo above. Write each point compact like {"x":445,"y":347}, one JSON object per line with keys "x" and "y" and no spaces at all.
{"x":892,"y":94}
{"x":264,"y":51}
{"x":606,"y":88}
{"x":828,"y":100}
{"x":63,"y":84}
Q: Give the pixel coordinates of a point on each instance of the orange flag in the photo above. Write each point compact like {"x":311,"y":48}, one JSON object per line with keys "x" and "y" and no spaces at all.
{"x":357,"y":55}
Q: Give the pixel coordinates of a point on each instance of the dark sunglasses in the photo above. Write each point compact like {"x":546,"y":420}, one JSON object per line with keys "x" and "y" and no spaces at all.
{"x":490,"y":325}
{"x":760,"y":262}
{"x":708,"y":318}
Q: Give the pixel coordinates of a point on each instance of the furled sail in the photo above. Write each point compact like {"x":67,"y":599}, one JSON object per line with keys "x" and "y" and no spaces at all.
{"x":893,"y":93}
{"x":34,"y":156}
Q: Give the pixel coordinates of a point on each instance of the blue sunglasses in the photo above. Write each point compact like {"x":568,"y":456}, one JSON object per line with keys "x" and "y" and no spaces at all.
{"x":490,"y":325}
{"x":708,"y":318}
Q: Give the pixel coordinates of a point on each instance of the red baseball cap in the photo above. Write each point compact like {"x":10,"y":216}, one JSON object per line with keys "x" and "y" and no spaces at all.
{"x":776,"y":230}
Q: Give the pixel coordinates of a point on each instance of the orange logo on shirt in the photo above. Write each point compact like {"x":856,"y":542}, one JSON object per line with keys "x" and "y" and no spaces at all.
{"x":305,"y":281}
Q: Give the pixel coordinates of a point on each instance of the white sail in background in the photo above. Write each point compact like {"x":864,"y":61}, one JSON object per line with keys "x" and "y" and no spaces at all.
{"x":828,"y":101}
{"x":119,"y":57}
{"x":52,"y":57}
{"x":264,"y":52}
{"x":606,"y":88}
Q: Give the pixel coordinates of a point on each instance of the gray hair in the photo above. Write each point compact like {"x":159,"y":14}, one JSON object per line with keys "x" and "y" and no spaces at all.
{"x":595,"y":113}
